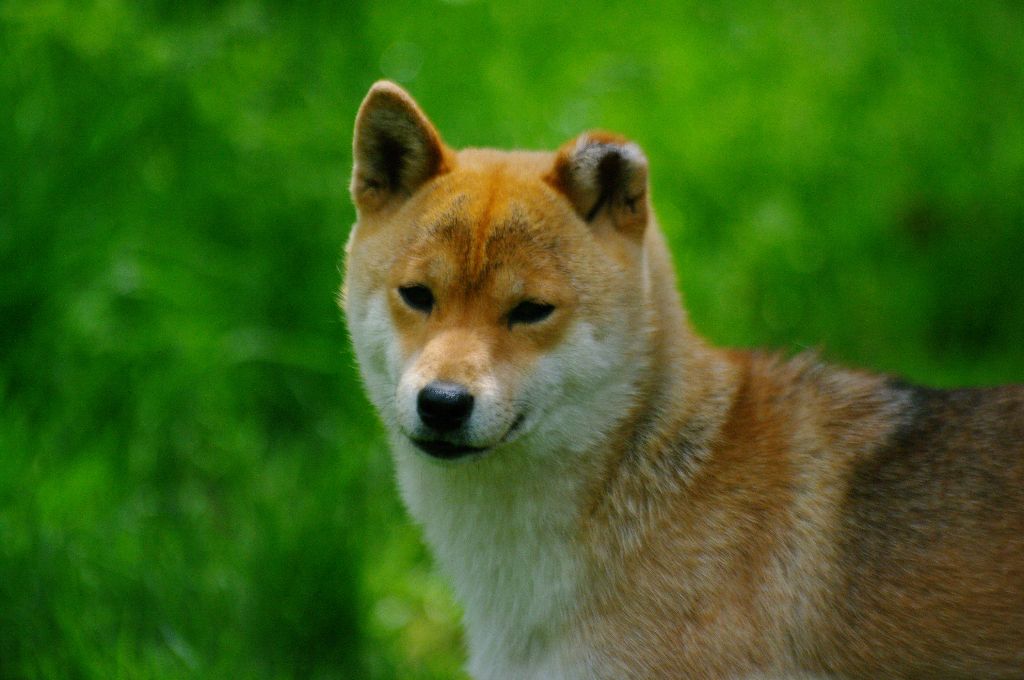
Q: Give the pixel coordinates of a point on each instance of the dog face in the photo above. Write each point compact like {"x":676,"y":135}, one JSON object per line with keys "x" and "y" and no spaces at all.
{"x":491,"y":295}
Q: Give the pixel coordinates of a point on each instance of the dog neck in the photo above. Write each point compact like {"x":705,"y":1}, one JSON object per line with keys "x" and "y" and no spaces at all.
{"x":678,"y":408}
{"x":504,"y":529}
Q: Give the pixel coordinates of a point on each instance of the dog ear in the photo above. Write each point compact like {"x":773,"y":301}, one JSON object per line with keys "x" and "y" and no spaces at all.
{"x":605,"y":177}
{"x":395,"y":148}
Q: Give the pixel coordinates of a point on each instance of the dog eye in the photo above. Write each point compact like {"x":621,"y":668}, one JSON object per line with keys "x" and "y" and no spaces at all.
{"x":418,"y":297}
{"x":529,"y":312}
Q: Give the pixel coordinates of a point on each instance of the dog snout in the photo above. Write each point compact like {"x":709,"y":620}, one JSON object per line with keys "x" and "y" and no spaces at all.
{"x":444,"y":406}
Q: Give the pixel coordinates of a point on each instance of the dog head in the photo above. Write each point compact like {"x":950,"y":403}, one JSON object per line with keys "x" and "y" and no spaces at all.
{"x":493,"y":297}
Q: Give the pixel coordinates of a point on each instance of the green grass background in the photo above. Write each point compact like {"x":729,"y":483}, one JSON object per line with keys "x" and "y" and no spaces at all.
{"x":191,"y":481}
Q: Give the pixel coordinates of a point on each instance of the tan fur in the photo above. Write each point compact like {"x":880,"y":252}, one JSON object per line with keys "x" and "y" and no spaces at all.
{"x":743,"y":515}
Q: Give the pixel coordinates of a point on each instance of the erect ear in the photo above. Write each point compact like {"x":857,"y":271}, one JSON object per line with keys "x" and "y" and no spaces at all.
{"x":395,"y":148}
{"x":605,"y":177}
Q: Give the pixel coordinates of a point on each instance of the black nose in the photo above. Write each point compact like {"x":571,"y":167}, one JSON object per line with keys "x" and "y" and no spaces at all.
{"x":444,"y":406}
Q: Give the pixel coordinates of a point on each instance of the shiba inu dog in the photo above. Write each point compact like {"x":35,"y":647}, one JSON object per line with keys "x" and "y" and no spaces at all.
{"x":613,"y":498}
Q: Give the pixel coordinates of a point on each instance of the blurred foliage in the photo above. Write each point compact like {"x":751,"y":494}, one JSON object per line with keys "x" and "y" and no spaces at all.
{"x":191,"y":482}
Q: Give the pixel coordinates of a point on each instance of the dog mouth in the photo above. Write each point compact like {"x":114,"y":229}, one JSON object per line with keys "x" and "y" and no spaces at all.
{"x":446,"y":450}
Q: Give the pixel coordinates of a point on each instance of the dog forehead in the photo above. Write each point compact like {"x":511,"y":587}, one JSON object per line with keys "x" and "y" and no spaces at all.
{"x":481,"y":223}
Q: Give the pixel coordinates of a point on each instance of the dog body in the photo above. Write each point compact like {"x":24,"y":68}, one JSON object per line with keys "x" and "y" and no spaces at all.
{"x":613,"y":498}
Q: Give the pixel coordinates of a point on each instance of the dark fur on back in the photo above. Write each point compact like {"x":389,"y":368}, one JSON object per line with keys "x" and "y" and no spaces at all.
{"x":933,"y":536}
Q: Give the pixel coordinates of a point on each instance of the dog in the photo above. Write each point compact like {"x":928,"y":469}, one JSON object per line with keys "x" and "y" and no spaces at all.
{"x":611,"y":496}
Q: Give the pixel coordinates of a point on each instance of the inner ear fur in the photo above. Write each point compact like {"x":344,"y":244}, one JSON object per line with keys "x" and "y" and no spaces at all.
{"x":604,"y":176}
{"x":395,"y":148}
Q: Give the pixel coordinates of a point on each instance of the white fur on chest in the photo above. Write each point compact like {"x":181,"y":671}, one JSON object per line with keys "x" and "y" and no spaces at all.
{"x":503,"y":534}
